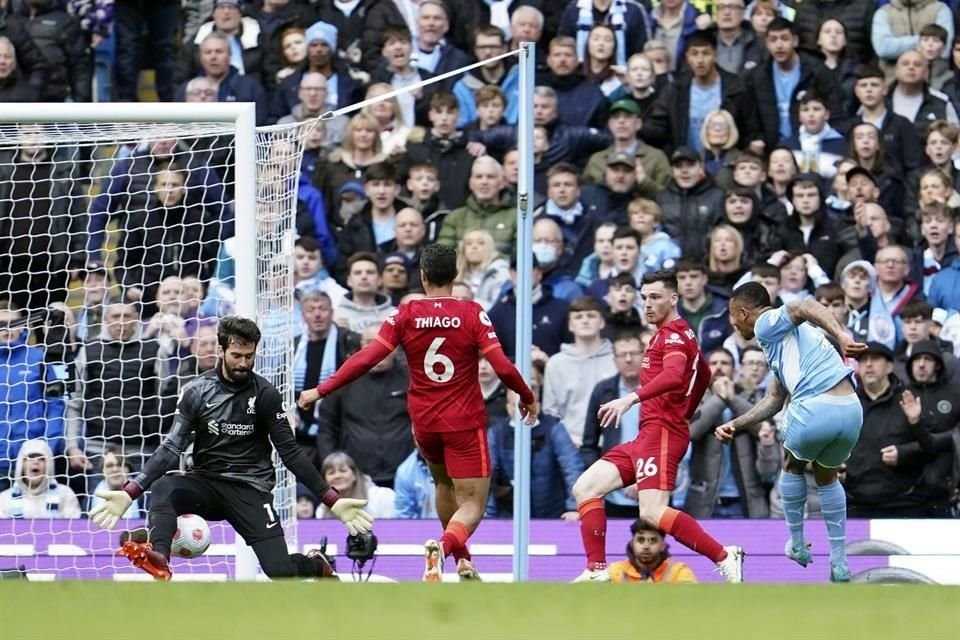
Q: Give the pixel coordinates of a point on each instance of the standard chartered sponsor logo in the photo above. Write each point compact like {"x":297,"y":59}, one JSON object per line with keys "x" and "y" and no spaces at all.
{"x":230,"y":428}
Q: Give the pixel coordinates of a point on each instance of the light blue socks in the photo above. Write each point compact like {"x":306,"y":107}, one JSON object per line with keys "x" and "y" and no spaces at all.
{"x":833,"y":503}
{"x":793,"y":493}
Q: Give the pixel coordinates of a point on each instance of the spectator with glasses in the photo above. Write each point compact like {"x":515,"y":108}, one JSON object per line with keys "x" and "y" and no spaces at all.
{"x":200,"y":89}
{"x":892,"y":292}
{"x":753,"y":375}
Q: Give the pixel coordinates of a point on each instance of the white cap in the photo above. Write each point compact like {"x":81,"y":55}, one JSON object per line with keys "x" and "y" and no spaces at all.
{"x":861,"y":264}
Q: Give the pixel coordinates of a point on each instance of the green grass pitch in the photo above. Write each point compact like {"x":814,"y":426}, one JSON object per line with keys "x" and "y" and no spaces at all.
{"x":195,"y":611}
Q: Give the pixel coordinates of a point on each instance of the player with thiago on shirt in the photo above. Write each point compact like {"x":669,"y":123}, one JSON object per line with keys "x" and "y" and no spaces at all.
{"x":673,"y":379}
{"x":443,"y":338}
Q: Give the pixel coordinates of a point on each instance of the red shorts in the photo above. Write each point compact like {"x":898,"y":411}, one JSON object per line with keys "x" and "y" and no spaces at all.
{"x":651,"y":459}
{"x":465,"y":454}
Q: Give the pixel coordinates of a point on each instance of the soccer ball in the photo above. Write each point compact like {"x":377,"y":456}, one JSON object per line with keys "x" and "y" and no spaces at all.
{"x":191,"y":538}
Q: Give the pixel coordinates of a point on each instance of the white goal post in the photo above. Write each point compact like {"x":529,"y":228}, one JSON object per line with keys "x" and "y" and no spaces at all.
{"x":262,"y":248}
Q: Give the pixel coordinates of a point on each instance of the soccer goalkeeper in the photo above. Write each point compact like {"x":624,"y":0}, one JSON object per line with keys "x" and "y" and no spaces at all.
{"x":235,"y":415}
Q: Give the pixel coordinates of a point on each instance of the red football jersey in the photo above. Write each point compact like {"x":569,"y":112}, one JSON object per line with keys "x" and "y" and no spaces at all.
{"x":676,"y":337}
{"x":443,"y":339}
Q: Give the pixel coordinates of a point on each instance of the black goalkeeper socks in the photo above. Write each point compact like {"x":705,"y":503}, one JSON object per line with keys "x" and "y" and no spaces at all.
{"x":162,"y":524}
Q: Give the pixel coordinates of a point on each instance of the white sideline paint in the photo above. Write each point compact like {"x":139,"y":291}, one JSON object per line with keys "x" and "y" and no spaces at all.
{"x":66,"y":550}
{"x":16,"y":550}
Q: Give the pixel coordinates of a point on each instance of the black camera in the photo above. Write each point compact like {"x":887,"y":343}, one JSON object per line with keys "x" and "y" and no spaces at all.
{"x":361,"y":547}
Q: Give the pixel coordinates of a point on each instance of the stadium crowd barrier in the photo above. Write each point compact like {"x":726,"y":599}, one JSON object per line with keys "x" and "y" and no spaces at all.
{"x":898,"y":550}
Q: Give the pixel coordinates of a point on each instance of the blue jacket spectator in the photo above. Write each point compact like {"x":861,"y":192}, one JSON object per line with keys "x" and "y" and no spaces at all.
{"x":414,"y":489}
{"x":554,"y":466}
{"x":563,"y":285}
{"x":715,"y":327}
{"x":467,"y":103}
{"x":549,"y":320}
{"x":31,"y":401}
{"x":589,"y":273}
{"x":310,"y":197}
{"x":945,"y":289}
{"x":658,"y":251}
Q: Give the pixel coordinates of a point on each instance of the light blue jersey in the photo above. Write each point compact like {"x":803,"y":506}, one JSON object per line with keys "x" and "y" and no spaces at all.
{"x":818,"y":427}
{"x":801,"y":357}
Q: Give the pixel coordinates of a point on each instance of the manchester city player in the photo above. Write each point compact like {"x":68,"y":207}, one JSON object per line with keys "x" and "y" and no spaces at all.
{"x":823,"y":419}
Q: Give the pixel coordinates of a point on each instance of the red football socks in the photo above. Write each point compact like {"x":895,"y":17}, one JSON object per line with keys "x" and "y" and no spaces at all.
{"x":461,"y":553}
{"x":454,"y":538}
{"x":593,"y":529}
{"x":690,"y":534}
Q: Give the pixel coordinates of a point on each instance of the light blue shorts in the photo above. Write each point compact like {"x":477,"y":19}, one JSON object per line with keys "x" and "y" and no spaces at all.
{"x":823,"y":429}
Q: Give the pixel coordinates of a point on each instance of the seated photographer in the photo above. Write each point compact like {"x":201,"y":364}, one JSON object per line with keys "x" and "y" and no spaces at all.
{"x":648,"y":560}
{"x":341,"y":472}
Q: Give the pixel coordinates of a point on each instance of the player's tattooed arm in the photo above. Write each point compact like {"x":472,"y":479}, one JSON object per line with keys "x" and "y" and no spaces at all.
{"x":769,"y":406}
{"x":809,"y":310}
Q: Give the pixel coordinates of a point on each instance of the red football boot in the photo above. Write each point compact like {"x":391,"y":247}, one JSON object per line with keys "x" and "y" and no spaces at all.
{"x":144,"y":557}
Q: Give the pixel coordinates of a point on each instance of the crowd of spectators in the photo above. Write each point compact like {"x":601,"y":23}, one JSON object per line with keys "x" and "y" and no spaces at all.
{"x":811,"y":147}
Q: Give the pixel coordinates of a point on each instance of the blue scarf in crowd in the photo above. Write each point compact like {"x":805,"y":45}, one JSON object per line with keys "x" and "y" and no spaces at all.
{"x":617,"y":21}
{"x":883,"y":326}
{"x":328,"y":364}
{"x":16,"y":501}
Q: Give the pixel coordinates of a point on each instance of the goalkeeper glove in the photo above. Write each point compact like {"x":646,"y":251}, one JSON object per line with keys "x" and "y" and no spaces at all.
{"x":115,"y":503}
{"x":352,"y":515}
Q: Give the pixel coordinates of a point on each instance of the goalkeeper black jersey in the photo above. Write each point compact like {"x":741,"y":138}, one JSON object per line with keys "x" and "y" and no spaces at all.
{"x":233,"y":426}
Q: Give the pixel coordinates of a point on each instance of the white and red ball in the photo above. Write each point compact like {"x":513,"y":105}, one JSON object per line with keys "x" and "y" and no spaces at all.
{"x":191,"y":538}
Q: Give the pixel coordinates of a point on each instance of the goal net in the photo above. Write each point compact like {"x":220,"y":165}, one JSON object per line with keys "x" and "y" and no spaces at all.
{"x":124,"y":242}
